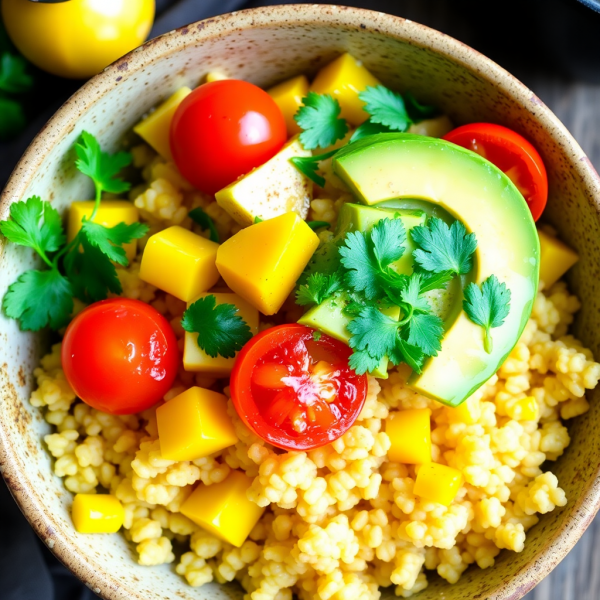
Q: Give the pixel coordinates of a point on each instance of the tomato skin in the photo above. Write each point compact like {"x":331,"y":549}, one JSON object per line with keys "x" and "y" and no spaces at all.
{"x":120,"y":356}
{"x":511,"y":153}
{"x":223,"y":130}
{"x":288,"y":344}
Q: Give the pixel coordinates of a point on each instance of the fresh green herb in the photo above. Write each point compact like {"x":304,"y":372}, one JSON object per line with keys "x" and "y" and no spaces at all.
{"x":110,"y":240}
{"x":309,"y":165}
{"x":316,"y":336}
{"x":386,"y":108}
{"x":435,"y":281}
{"x":488,"y":306}
{"x":319,"y":117}
{"x":199,"y":216}
{"x":314,"y":225}
{"x":368,"y":128}
{"x":221,"y":331}
{"x":257,"y":220}
{"x":318,"y":287}
{"x":12,"y":118}
{"x":14,"y":78}
{"x":417,"y":111}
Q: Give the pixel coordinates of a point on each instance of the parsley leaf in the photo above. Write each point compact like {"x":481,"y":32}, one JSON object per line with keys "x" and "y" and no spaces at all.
{"x":386,"y":108}
{"x":221,"y":331}
{"x":314,"y":225}
{"x":309,"y":165}
{"x":110,"y":240}
{"x":444,"y":248}
{"x":13,"y":76}
{"x":488,"y":306}
{"x":319,"y":118}
{"x":200,"y":217}
{"x":417,"y":111}
{"x":317,"y":288}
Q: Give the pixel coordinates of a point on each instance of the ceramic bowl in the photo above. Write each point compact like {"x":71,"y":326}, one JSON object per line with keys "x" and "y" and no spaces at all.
{"x":266,"y":46}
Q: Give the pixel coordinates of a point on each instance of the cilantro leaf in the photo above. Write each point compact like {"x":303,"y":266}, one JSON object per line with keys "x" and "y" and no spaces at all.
{"x":362,"y":362}
{"x":417,"y":111}
{"x":368,"y":128}
{"x":110,"y":240}
{"x":314,"y":225}
{"x":435,"y":281}
{"x":488,"y":306}
{"x":444,"y":248}
{"x":101,"y":166}
{"x":404,"y":352}
{"x":388,"y":237}
{"x":199,"y":216}
{"x":317,"y":288}
{"x":39,"y":298}
{"x":221,"y":331}
{"x":411,"y":295}
{"x":425,"y":331}
{"x":257,"y":220}
{"x":309,"y":165}
{"x":386,"y":108}
{"x":319,"y":118}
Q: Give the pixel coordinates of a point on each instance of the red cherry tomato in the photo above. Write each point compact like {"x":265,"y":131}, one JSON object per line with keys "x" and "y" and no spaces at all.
{"x":294,"y":391}
{"x":120,"y":356}
{"x":511,"y":153}
{"x":223,"y":130}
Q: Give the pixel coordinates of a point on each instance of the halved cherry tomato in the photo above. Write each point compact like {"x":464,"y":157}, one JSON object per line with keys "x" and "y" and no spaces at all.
{"x":511,"y":153}
{"x":120,"y":356}
{"x":223,"y":130}
{"x":295,"y":391}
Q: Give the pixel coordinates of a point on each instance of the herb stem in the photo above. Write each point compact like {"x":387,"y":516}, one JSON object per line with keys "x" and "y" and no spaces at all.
{"x":487,"y":341}
{"x":97,"y":201}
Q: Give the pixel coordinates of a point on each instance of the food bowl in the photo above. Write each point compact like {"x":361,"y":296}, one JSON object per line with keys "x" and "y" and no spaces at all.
{"x":266,"y":46}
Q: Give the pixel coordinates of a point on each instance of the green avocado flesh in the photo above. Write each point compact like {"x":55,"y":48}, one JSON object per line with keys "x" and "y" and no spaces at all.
{"x":394,"y":166}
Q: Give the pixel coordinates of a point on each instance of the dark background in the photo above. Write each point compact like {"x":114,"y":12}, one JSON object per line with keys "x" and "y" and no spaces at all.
{"x":551,"y":45}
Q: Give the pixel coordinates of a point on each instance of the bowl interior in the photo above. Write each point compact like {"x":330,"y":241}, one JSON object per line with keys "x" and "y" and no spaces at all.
{"x":266,"y":46}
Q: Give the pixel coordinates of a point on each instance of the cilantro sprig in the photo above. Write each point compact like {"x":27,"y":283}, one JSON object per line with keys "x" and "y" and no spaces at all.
{"x":199,"y":216}
{"x":318,"y":287}
{"x":319,"y":117}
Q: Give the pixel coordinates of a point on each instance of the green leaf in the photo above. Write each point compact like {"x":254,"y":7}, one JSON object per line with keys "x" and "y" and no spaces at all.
{"x":38,"y":299}
{"x":13,"y":76}
{"x":309,"y":165}
{"x":409,"y":354}
{"x":411,"y":295}
{"x":426,"y":332}
{"x":388,"y":237}
{"x":201,"y":218}
{"x":110,"y":240}
{"x":257,"y":220}
{"x":12,"y":118}
{"x":417,"y":111}
{"x":362,"y":362}
{"x":435,"y":281}
{"x":368,"y":128}
{"x":317,"y":288}
{"x":386,"y":108}
{"x":314,"y":225}
{"x":488,"y":306}
{"x":319,"y":118}
{"x":221,"y":331}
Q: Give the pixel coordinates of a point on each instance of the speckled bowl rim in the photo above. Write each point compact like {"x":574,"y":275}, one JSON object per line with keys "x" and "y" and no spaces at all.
{"x":46,"y":526}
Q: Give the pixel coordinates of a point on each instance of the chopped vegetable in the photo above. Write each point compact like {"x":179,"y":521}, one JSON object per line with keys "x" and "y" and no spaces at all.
{"x":97,"y":513}
{"x":438,"y":483}
{"x":318,"y":117}
{"x":288,"y":96}
{"x":410,"y":436}
{"x":199,"y":216}
{"x":556,"y":258}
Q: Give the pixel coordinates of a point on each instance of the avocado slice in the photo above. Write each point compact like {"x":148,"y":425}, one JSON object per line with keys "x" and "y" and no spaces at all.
{"x":396,"y":166}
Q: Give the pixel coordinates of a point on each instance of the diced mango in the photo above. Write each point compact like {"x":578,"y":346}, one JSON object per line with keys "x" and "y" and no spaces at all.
{"x":263,"y":262}
{"x":109,"y":214}
{"x":273,"y":189}
{"x":155,"y":129}
{"x":438,"y":483}
{"x":556,"y":258}
{"x":410,"y":436}
{"x":194,"y":425}
{"x":344,"y":79}
{"x":180,"y":262}
{"x":525,"y":409}
{"x":223,"y":508}
{"x":288,"y":96}
{"x":468,"y":412}
{"x":195,"y":359}
{"x":97,"y":513}
{"x":215,"y":76}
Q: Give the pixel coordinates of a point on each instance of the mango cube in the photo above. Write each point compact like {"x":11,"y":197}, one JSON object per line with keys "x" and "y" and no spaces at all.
{"x":468,"y":412}
{"x":410,"y":436}
{"x":344,"y":79}
{"x":180,"y":262}
{"x":195,"y":359}
{"x":288,"y":96}
{"x":223,"y":508}
{"x":438,"y":483}
{"x":155,"y":129}
{"x":194,"y":425}
{"x":263,"y":262}
{"x":110,"y":213}
{"x":556,"y":258}
{"x":97,"y":513}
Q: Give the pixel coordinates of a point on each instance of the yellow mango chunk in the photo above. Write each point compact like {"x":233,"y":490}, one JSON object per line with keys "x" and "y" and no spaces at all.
{"x":263,"y":262}
{"x":155,"y":129}
{"x":196,"y":360}
{"x":180,"y":262}
{"x":288,"y":96}
{"x":410,"y":436}
{"x":468,"y":412}
{"x":97,"y":513}
{"x":110,"y":213}
{"x":556,"y":258}
{"x":438,"y":483}
{"x":223,"y":508}
{"x":344,"y":79}
{"x":194,"y":425}
{"x":215,"y":76}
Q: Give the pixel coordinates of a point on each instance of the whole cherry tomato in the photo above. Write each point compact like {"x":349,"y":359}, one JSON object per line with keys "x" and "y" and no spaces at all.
{"x":511,"y":153}
{"x":223,"y":130}
{"x":295,"y":389}
{"x":120,"y":356}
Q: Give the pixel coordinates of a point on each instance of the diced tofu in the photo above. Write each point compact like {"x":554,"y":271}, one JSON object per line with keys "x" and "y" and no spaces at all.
{"x":288,"y":96}
{"x":437,"y":127}
{"x":195,"y":359}
{"x":273,"y":189}
{"x":556,"y":258}
{"x":344,"y":79}
{"x":263,"y":262}
{"x":110,"y":213}
{"x":438,"y":483}
{"x":410,"y":436}
{"x":223,"y":508}
{"x":155,"y":129}
{"x":468,"y":412}
{"x":194,"y":425}
{"x":97,"y":513}
{"x":180,"y":262}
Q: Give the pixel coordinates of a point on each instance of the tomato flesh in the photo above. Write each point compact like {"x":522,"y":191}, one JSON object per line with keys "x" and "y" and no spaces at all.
{"x":512,"y":154}
{"x":120,"y":356}
{"x":294,"y":391}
